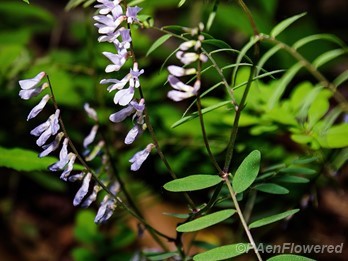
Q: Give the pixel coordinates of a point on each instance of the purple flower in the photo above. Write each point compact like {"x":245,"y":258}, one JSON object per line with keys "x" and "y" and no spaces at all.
{"x":132,"y":13}
{"x":184,"y":91}
{"x":52,"y":146}
{"x":90,"y":137}
{"x":63,"y":157}
{"x":179,"y":71}
{"x":123,"y":97}
{"x":47,"y":129}
{"x":138,"y":159}
{"x":30,"y":87}
{"x":108,"y":205}
{"x":133,"y":134}
{"x":92,"y":197}
{"x":90,"y":112}
{"x":118,"y":60}
{"x":107,"y":6}
{"x":82,"y":192}
{"x":71,"y":160}
{"x":133,"y":107}
{"x":39,"y":107}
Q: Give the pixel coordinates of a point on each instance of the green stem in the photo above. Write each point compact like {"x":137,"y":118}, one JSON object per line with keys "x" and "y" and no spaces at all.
{"x":241,"y":217}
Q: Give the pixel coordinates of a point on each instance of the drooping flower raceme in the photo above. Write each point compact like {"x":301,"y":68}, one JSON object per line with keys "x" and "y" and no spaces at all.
{"x":188,"y":53}
{"x":110,"y":24}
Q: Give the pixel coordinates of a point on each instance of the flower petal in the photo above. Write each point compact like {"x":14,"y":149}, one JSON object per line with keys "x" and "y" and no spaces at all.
{"x":39,"y":107}
{"x":81,"y":193}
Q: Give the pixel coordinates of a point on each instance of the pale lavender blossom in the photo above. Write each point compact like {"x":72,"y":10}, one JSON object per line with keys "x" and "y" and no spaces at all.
{"x":75,"y":177}
{"x":92,"y":197}
{"x":118,"y":60}
{"x":52,"y":146}
{"x":90,"y":112}
{"x":108,"y":205}
{"x":183,"y":91}
{"x":108,"y":24}
{"x":187,"y":45}
{"x":133,"y":107}
{"x":31,"y":87}
{"x":47,"y":129}
{"x":91,"y":136}
{"x":123,"y":97}
{"x":82,"y":192}
{"x":179,"y":71}
{"x":39,"y":107}
{"x":71,"y":160}
{"x":63,"y":157}
{"x":106,"y":6}
{"x":138,"y":159}
{"x":132,"y":13}
{"x":187,"y":58}
{"x":133,"y":134}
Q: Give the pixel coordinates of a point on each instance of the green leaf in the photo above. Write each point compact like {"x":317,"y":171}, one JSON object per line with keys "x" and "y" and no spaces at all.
{"x":266,"y":57}
{"x":327,"y":57}
{"x":177,"y":215}
{"x":281,"y":86}
{"x":335,"y":137}
{"x":158,"y":43}
{"x":26,"y":1}
{"x":288,"y":257}
{"x":223,"y":252}
{"x":247,"y":172}
{"x":218,"y":43}
{"x":160,"y":256}
{"x":341,"y":79}
{"x":23,"y":160}
{"x":193,"y":182}
{"x":206,"y":221}
{"x":271,"y":188}
{"x":285,"y":24}
{"x":291,"y":179}
{"x":305,"y":160}
{"x":271,"y":219}
{"x":311,"y":38}
{"x":195,"y":114}
{"x":298,"y":170}
{"x":47,"y":181}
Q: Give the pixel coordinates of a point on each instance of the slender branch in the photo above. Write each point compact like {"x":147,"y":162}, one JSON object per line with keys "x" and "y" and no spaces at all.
{"x":89,"y":170}
{"x":310,"y":68}
{"x":241,"y":217}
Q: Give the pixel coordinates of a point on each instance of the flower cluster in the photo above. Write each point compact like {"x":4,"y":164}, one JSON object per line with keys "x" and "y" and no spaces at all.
{"x":111,"y":23}
{"x":50,"y":139}
{"x":188,"y":53}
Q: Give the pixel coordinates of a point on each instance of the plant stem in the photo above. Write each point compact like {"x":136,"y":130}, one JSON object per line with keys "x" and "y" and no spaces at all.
{"x":241,"y":217}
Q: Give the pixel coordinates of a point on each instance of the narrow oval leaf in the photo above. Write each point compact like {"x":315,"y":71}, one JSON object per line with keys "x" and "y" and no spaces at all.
{"x":218,"y":43}
{"x":271,"y":219}
{"x":289,"y":257}
{"x":285,"y":24}
{"x":247,"y":172}
{"x":297,"y":170}
{"x":206,"y":221}
{"x":271,"y":188}
{"x":158,"y":43}
{"x":327,"y":57}
{"x":291,"y":179}
{"x":193,"y":182}
{"x":160,"y":256}
{"x":223,"y":252}
{"x":311,"y":38}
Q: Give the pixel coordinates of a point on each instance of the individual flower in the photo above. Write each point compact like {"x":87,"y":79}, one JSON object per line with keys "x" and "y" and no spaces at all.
{"x":95,"y":151}
{"x":47,"y":129}
{"x":82,"y":192}
{"x":69,"y":167}
{"x":133,"y":134}
{"x":133,"y":107}
{"x":39,"y":107}
{"x":48,"y":148}
{"x":132,"y":13}
{"x":118,"y":60}
{"x":182,"y":91}
{"x":31,"y":87}
{"x":107,"y":6}
{"x":138,"y":159}
{"x":91,"y":136}
{"x":108,"y":205}
{"x":92,"y":197}
{"x":63,"y":157}
{"x":90,"y":112}
{"x":179,"y":71}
